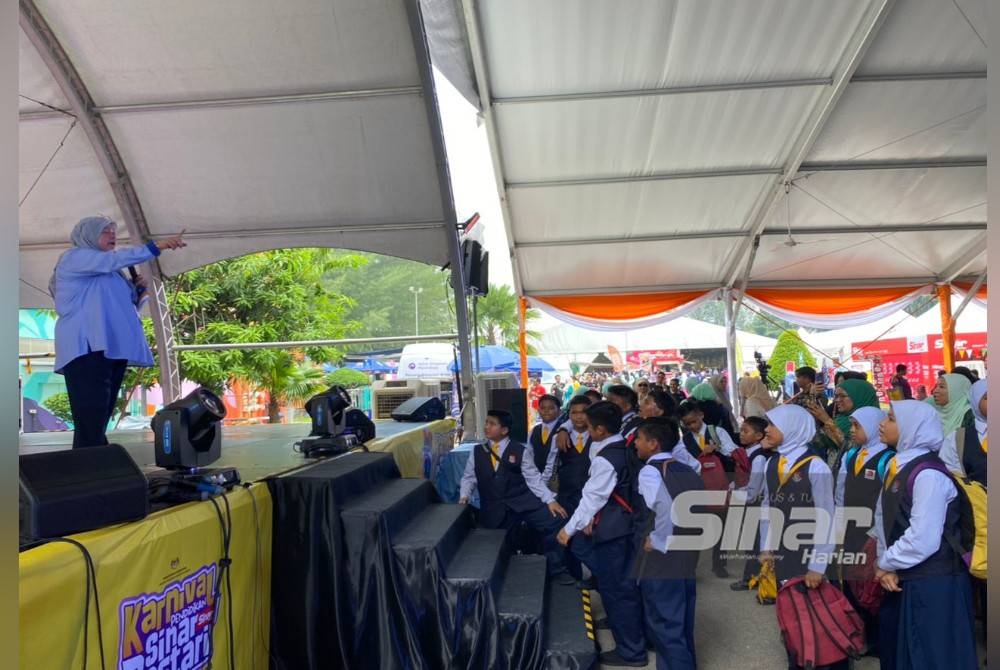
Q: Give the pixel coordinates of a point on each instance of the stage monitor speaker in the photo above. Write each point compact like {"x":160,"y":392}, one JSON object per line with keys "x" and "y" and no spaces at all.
{"x":420,"y":408}
{"x":514,"y":401}
{"x":65,"y":492}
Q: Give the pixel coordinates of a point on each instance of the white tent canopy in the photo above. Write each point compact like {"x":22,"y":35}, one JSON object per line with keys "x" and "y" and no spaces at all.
{"x":644,"y":150}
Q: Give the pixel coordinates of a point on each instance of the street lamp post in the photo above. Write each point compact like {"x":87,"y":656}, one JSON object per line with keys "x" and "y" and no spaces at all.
{"x":416,"y":308}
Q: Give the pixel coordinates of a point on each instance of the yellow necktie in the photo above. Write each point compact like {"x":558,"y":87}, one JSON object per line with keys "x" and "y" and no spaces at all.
{"x":985,"y":449}
{"x":892,"y":472}
{"x":494,"y":450}
{"x":860,"y":462}
{"x":579,"y":444}
{"x":701,"y":442}
{"x":545,"y":435}
{"x":782,"y":463}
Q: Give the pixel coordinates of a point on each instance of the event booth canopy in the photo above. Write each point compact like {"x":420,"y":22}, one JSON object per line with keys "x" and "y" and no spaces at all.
{"x":252,"y":124}
{"x":652,"y":156}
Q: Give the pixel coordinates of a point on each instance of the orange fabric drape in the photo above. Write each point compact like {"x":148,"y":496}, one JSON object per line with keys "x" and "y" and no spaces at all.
{"x":828,"y":301}
{"x":965,"y":286}
{"x":619,"y":306}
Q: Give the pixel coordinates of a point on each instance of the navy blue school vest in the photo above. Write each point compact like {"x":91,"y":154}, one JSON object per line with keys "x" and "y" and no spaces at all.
{"x":540,"y":448}
{"x":574,"y":468}
{"x":675,"y":564}
{"x":613,"y":520}
{"x":797,"y":492}
{"x":973,"y":456}
{"x":862,"y":490}
{"x":503,"y":488}
{"x":897,"y":505}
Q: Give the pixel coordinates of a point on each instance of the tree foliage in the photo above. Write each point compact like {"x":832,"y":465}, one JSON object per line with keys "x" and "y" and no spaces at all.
{"x":58,"y":404}
{"x":272,"y":296}
{"x":497,"y":318}
{"x":790,"y":347}
{"x":347,"y":378}
{"x":713,"y":311}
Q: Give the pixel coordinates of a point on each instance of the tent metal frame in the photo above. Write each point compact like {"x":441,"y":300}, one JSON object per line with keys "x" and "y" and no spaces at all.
{"x":82,"y":107}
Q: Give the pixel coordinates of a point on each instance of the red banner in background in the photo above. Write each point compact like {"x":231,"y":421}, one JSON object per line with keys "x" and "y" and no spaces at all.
{"x":922,"y":356}
{"x":647,"y":358}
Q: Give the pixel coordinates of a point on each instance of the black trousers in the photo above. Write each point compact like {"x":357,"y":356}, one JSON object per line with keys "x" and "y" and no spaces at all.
{"x":93,"y":383}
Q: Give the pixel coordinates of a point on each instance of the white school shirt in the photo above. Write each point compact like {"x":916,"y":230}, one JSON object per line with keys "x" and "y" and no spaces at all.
{"x":681,"y":454}
{"x":531,"y":475}
{"x":658,"y":499}
{"x":601,"y":482}
{"x":933,"y":491}
{"x":550,"y":460}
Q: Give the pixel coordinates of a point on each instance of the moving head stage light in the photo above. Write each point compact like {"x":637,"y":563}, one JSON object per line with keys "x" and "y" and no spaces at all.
{"x":336,"y":426}
{"x":188,"y":433}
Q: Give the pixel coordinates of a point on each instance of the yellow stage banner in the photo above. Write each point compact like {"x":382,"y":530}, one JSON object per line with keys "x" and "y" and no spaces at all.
{"x":162,"y":602}
{"x":407,"y":449}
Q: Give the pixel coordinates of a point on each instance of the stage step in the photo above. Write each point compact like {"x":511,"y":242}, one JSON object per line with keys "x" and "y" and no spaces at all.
{"x":396,"y":502}
{"x":567,"y":644}
{"x":369,"y":523}
{"x":439,"y":528}
{"x":422,"y":550}
{"x":473,"y":581}
{"x":521,"y":608}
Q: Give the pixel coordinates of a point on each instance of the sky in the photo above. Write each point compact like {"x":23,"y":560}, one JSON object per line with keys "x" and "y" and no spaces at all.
{"x":472,"y":180}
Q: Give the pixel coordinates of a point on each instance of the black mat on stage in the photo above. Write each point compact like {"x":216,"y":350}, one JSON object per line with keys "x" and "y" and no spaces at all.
{"x":373,"y":571}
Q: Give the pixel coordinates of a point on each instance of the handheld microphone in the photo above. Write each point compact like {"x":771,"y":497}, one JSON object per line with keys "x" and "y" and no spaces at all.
{"x":139,"y":290}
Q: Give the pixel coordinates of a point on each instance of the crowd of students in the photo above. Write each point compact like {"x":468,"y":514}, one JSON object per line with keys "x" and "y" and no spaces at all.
{"x":598,"y":478}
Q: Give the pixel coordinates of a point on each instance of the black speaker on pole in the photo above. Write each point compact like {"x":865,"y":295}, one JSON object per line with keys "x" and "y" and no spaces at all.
{"x":420,"y":408}
{"x":64,"y":492}
{"x":476,"y":264}
{"x":514,"y":401}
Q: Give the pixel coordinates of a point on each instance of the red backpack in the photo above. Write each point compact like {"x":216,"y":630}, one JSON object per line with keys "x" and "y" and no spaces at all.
{"x":741,"y":473}
{"x":818,"y":626}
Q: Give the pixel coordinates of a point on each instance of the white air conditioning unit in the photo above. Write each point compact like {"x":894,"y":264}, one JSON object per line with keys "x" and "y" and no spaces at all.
{"x":442,"y":389}
{"x":387,"y":395}
{"x":485,"y":383}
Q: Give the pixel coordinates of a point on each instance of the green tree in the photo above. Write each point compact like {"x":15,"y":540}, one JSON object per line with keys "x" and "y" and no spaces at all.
{"x":790,"y":347}
{"x":497,"y":318}
{"x":271,"y":296}
{"x":713,"y":311}
{"x":383,"y":304}
{"x":58,"y":404}
{"x":347,"y":378}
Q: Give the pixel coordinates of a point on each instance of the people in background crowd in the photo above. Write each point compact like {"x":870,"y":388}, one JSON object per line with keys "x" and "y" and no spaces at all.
{"x":951,"y":400}
{"x":899,"y":387}
{"x":756,"y":399}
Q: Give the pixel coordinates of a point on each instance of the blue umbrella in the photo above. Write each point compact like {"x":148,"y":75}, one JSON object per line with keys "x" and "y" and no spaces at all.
{"x":368,"y":365}
{"x":536,"y":366}
{"x":492,"y":358}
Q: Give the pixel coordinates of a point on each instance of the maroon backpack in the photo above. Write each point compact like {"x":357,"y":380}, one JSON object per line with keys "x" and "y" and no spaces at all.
{"x":818,"y":626}
{"x":860,"y":579}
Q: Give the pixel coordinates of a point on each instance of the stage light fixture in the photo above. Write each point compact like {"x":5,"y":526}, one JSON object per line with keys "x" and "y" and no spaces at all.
{"x":188,"y":432}
{"x":336,"y":426}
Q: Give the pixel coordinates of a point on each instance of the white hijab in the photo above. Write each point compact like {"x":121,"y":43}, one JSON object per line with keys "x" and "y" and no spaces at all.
{"x":869,"y":418}
{"x":976,"y":394}
{"x":796,"y":424}
{"x":919,"y":427}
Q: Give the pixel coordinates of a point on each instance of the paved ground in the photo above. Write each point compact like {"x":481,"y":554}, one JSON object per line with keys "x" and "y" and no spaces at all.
{"x":731,"y":629}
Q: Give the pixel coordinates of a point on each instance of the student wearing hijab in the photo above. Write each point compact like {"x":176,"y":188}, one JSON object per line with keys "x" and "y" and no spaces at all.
{"x":796,"y":480}
{"x":756,"y":400}
{"x":859,"y":483}
{"x":975,"y":450}
{"x":951,"y":400}
{"x":99,"y":332}
{"x":926,"y":617}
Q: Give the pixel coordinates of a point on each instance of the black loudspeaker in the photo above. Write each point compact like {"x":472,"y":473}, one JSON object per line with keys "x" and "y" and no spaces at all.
{"x":476,"y":265}
{"x":420,"y":408}
{"x":64,"y":492}
{"x":514,"y":401}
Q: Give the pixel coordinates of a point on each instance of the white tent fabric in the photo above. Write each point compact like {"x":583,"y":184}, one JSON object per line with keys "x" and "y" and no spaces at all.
{"x":840,"y":320}
{"x":643,"y":150}
{"x":254,"y":124}
{"x":622,"y":324}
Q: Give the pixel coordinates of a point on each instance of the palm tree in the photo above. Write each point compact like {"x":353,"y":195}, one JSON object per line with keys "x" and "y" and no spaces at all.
{"x":496,"y":316}
{"x":291,"y":384}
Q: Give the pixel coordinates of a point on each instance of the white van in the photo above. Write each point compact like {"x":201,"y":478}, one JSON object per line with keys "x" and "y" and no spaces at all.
{"x":430,"y":360}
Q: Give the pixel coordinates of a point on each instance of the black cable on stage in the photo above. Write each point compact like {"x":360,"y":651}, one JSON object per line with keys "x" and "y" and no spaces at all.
{"x":90,"y":580}
{"x":224,"y":564}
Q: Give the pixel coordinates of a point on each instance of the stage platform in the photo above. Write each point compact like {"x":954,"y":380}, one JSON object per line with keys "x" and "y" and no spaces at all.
{"x":265,"y":450}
